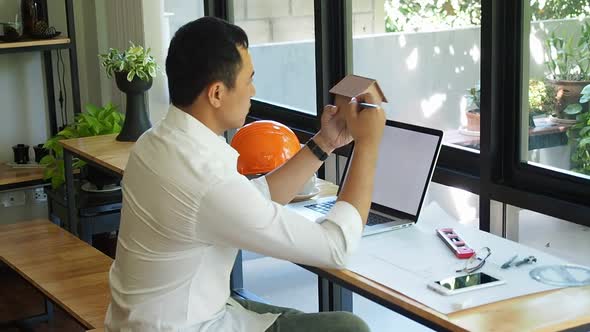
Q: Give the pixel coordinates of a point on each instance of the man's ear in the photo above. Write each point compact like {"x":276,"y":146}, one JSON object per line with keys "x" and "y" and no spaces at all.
{"x":215,"y":93}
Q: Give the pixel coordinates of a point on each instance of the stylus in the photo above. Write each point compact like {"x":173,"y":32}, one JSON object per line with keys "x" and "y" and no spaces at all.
{"x":367,"y":105}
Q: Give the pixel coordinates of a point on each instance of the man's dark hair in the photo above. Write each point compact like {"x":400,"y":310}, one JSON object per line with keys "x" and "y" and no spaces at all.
{"x":202,"y":52}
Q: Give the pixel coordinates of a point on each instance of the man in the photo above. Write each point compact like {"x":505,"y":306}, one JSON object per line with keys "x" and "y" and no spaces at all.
{"x":187,"y":211}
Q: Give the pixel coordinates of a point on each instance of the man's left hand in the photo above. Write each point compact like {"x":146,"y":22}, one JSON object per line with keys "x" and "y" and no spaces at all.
{"x":334,"y":131}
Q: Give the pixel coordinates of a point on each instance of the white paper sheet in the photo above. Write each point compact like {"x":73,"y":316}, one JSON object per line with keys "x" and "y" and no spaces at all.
{"x":406,"y":260}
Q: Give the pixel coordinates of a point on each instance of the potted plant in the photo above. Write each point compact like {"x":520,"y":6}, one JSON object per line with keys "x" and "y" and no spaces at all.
{"x":473,"y":108}
{"x":134,"y":70}
{"x":541,"y":100}
{"x":95,"y":121}
{"x":579,"y":137}
{"x":568,"y":63}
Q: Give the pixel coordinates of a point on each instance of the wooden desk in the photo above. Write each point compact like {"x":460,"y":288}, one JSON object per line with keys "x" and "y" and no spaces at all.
{"x":68,"y":271}
{"x":12,"y":176}
{"x":548,"y":311}
{"x":103,"y":150}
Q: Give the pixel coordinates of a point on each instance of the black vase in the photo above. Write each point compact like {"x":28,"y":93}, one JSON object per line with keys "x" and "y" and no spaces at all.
{"x":40,"y":152}
{"x":21,"y":153}
{"x":136,"y":118}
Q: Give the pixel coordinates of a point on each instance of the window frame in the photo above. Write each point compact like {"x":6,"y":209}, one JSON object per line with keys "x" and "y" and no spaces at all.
{"x":508,"y":179}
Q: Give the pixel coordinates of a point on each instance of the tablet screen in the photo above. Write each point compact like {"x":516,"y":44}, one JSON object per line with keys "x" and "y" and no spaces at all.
{"x":465,"y":281}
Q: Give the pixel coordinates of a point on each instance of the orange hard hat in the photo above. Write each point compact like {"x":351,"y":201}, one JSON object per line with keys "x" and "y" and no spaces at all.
{"x":263,"y":146}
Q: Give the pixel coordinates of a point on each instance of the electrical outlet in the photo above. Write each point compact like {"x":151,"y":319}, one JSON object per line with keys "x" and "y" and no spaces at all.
{"x":39,"y":195}
{"x":13,"y":198}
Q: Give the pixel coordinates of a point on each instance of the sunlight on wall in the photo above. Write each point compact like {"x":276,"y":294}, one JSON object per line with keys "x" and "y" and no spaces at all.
{"x":451,"y":50}
{"x":462,"y":110}
{"x":436,"y":50}
{"x":433,"y":104}
{"x":402,"y":41}
{"x":536,"y":46}
{"x":412,"y":60}
{"x":461,"y":199}
{"x":475,"y":53}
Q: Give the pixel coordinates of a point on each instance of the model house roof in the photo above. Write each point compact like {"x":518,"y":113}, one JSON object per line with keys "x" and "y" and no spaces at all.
{"x":353,"y":85}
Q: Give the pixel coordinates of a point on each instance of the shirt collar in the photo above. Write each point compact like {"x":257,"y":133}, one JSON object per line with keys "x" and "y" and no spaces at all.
{"x":196,"y":129}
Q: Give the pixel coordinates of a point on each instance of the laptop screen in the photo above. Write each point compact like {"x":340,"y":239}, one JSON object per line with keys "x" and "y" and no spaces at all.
{"x":406,"y":161}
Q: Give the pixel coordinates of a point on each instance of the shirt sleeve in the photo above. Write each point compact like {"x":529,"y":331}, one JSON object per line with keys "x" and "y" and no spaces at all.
{"x":236,"y":213}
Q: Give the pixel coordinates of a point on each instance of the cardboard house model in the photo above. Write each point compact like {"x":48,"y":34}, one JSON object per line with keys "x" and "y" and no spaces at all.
{"x":353,"y":85}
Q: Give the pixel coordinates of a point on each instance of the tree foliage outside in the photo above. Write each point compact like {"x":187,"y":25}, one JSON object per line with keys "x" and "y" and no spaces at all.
{"x":428,"y":15}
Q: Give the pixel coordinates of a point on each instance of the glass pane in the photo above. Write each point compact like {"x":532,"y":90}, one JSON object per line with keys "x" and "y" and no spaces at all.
{"x":554,"y":236}
{"x":179,"y":12}
{"x":282,"y":45}
{"x":426,"y":57}
{"x":555,"y":126}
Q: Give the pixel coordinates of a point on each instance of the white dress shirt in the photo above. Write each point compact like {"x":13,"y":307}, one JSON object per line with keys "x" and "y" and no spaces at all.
{"x":186,"y":211}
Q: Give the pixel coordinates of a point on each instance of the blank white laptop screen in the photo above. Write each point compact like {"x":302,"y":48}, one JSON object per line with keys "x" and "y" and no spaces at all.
{"x":405,"y":161}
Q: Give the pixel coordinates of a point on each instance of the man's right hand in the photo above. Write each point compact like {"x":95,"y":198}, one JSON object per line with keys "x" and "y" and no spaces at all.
{"x":365,"y":125}
{"x":366,"y":128}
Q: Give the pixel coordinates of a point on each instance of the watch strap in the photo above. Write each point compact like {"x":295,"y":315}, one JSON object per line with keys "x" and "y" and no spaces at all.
{"x":316,"y":150}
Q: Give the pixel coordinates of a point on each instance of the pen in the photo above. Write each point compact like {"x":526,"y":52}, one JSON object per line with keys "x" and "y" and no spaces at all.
{"x":509,"y":262}
{"x":367,"y":105}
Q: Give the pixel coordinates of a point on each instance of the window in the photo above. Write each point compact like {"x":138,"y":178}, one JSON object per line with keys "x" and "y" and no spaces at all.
{"x":555,"y":127}
{"x":426,"y":57}
{"x":281,"y":35}
{"x":165,"y":17}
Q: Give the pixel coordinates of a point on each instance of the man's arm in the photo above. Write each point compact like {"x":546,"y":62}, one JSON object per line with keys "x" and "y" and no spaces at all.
{"x":366,"y":127}
{"x":286,"y":181}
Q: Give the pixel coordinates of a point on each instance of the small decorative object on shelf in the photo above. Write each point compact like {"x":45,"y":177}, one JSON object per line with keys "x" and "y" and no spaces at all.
{"x":11,"y":23}
{"x":40,"y":152}
{"x":134,"y":70}
{"x":21,"y":153}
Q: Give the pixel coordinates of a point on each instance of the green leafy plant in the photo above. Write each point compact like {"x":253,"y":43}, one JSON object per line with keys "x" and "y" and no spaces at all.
{"x":474,"y":98}
{"x":568,"y":58}
{"x":558,"y":9}
{"x":579,"y":136}
{"x":541,"y":97}
{"x":135,"y":61}
{"x":95,"y":121}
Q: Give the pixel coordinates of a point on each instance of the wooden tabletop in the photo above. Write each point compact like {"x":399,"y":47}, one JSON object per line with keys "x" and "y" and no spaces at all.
{"x":12,"y":175}
{"x":71,"y":273}
{"x":548,"y":311}
{"x":103,"y":150}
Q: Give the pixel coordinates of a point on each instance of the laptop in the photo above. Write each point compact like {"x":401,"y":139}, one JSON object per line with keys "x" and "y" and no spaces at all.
{"x":406,"y":162}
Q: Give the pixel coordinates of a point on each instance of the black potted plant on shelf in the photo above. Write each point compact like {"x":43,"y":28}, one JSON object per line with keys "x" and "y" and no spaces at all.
{"x":134,"y":70}
{"x":95,"y":121}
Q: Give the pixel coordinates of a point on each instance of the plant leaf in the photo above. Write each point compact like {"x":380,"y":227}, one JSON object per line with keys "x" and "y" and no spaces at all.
{"x":573,"y":109}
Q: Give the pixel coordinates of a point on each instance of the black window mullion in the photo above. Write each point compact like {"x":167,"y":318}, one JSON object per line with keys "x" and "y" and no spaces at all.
{"x":223,"y":9}
{"x":333,"y":46}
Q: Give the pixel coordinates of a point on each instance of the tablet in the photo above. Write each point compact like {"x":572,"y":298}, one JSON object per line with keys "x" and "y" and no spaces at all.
{"x":465,"y":283}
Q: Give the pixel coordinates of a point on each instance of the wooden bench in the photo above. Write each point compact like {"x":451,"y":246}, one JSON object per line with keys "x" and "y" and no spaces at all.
{"x":68,"y":271}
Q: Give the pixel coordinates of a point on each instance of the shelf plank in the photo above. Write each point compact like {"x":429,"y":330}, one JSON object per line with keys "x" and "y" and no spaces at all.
{"x":35,"y":43}
{"x":13,"y":176}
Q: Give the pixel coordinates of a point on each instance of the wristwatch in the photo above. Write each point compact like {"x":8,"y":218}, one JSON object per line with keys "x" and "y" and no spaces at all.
{"x":317,"y":151}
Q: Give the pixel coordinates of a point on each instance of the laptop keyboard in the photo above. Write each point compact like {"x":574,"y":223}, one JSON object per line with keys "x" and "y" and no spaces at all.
{"x":376,"y":219}
{"x":324,"y":208}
